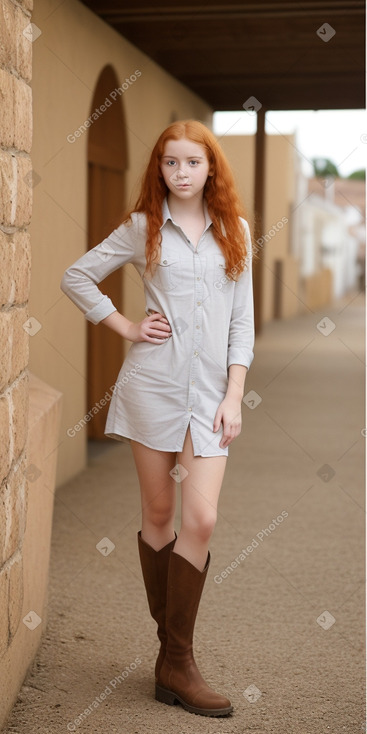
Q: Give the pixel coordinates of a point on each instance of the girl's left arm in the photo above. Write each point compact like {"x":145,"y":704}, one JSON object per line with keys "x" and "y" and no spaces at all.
{"x":240,"y":352}
{"x":241,"y":335}
{"x":236,"y":381}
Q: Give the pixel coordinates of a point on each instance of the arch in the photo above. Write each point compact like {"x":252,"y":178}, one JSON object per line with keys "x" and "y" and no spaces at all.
{"x":107,"y":162}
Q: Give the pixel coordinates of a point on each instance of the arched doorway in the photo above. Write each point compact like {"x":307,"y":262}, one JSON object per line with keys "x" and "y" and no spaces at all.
{"x":107,"y":163}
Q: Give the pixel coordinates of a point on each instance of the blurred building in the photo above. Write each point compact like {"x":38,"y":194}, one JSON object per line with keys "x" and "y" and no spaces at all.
{"x":313,"y":236}
{"x":342,"y":232}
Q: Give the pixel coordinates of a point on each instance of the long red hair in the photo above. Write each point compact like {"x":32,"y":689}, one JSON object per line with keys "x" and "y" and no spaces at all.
{"x":220,"y":193}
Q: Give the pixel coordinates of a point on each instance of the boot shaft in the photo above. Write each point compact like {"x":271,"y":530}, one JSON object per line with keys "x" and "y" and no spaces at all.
{"x":184,"y":590}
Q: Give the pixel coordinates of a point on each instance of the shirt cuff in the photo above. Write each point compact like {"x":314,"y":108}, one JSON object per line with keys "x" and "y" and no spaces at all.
{"x":236,"y":355}
{"x":103,"y":309}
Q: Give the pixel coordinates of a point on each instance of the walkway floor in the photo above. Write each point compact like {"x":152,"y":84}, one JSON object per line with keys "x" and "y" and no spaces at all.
{"x":281,"y":631}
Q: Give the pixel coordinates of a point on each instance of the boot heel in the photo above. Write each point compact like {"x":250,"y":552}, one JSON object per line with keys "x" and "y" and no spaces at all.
{"x":164,"y":696}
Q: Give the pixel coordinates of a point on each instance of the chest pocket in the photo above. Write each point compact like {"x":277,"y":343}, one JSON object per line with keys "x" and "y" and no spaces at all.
{"x":220,"y":280}
{"x":167,"y":274}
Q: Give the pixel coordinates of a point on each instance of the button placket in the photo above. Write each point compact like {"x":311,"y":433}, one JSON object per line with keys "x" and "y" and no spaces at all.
{"x":198,"y":282}
{"x":198,"y":332}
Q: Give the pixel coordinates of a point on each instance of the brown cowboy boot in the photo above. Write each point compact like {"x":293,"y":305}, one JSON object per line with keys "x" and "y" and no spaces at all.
{"x":154,"y":565}
{"x":179,"y":680}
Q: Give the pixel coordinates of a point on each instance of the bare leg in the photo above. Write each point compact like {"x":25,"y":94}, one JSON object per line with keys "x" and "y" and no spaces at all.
{"x":199,"y":496}
{"x":158,"y":493}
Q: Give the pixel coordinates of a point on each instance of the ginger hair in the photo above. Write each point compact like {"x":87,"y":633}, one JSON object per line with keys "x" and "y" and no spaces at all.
{"x":220,"y":194}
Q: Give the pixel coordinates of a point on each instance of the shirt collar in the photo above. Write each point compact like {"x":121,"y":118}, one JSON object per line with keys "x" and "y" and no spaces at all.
{"x":167,"y":214}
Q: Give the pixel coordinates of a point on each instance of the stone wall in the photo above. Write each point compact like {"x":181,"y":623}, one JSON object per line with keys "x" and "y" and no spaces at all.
{"x":15,"y":215}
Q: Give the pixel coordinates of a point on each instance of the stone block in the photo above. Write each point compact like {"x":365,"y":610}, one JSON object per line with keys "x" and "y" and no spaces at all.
{"x":24,"y":46}
{"x":14,"y":345}
{"x":5,"y":349}
{"x":19,"y":397}
{"x":5,"y":453}
{"x":15,"y":593}
{"x":16,"y":189}
{"x":21,"y":271}
{"x":3,"y":522}
{"x":4,"y":602}
{"x":7,"y":34}
{"x":8,"y":188}
{"x":7,"y":108}
{"x":23,"y":191}
{"x":20,"y":342}
{"x":13,"y":499}
{"x":15,"y":271}
{"x":6,"y":272}
{"x":22,"y":97}
{"x":15,"y":46}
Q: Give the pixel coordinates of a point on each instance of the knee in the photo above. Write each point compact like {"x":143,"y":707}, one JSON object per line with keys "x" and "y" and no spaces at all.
{"x":202,"y":526}
{"x":159,"y":516}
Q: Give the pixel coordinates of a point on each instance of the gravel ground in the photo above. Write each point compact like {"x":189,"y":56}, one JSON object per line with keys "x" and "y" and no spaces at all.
{"x":281,"y":631}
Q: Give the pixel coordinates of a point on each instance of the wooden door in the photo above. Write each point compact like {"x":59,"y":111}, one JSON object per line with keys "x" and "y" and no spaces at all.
{"x":107,"y":162}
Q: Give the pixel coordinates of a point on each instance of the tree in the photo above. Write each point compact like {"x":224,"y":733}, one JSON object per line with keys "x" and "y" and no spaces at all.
{"x":358,"y":175}
{"x":324,"y":167}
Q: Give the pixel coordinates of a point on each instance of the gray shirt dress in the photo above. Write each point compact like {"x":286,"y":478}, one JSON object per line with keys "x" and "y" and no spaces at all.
{"x":163,"y":388}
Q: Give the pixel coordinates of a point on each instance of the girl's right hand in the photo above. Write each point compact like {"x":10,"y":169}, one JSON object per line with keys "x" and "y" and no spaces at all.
{"x":154,"y":328}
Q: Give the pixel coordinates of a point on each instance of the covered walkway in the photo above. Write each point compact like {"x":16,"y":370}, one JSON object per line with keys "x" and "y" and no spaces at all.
{"x":280,"y":627}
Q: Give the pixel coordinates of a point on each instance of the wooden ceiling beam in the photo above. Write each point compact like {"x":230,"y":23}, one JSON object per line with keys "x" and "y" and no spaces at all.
{"x":314,"y":95}
{"x":113,"y":11}
{"x":270,"y":48}
{"x":244,"y":34}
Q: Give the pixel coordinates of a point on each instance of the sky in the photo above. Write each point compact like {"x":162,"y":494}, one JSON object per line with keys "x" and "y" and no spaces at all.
{"x":340,"y":135}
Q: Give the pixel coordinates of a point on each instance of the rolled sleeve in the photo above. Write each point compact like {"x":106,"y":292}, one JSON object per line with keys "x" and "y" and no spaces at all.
{"x":80,"y":281}
{"x":241,"y":329}
{"x":101,"y":310}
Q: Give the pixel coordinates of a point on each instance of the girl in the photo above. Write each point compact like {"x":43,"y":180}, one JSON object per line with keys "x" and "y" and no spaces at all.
{"x":181,"y":406}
